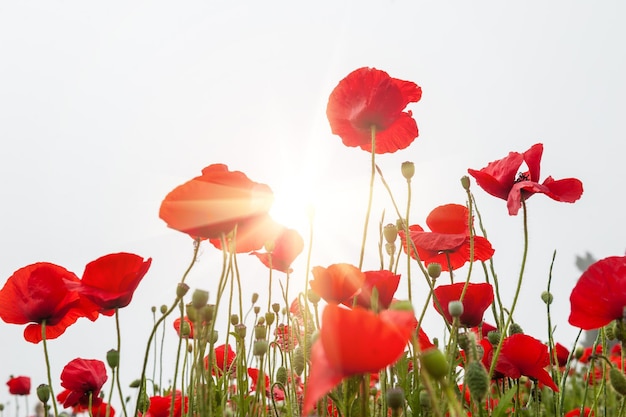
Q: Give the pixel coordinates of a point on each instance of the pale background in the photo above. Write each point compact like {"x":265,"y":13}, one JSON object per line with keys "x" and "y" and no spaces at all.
{"x":105,"y":107}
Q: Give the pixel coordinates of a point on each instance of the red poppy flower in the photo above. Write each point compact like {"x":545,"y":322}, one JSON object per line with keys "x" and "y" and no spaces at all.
{"x":599,"y":296}
{"x":448,"y":243}
{"x":355,"y":341}
{"x":368,"y":98}
{"x":477,"y":298}
{"x":501,"y":179}
{"x":110,"y":281}
{"x":253,"y":373}
{"x":224,"y":358}
{"x":19,"y":385}
{"x":285,"y":248}
{"x":100,"y":410}
{"x":385,"y":283}
{"x":483,"y":329}
{"x":212,"y":204}
{"x":83,"y":378}
{"x":524,"y":355}
{"x":587,"y":412}
{"x":337,"y":283}
{"x":251,"y":234}
{"x":562,"y":354}
{"x":160,"y":406}
{"x":177,"y":326}
{"x":38,"y":293}
{"x":588,"y":353}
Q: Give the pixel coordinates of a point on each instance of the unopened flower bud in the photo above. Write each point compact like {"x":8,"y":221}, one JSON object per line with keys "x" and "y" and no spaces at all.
{"x":455,"y":308}
{"x":199,"y":298}
{"x":313,"y":296}
{"x":275,"y":307}
{"x":113,"y":358}
{"x":255,"y":297}
{"x":241,"y":330}
{"x":463,"y":340}
{"x":618,"y":381}
{"x":425,"y":400}
{"x":234,"y":319}
{"x":579,"y":352}
{"x":547,"y":297}
{"x":401,"y":305}
{"x":181,"y":289}
{"x":143,"y":403}
{"x":213,"y":337}
{"x":515,"y":329}
{"x":465,"y":182}
{"x":269,"y":318}
{"x":281,"y":375}
{"x":408,"y":170}
{"x":260,"y":347}
{"x":395,"y":398}
{"x":163,"y":309}
{"x":390,"y":232}
{"x":434,"y":270}
{"x":435,"y":363}
{"x":298,"y":361}
{"x":43,"y":393}
{"x":477,"y":380}
{"x":260,"y":331}
{"x":494,"y":337}
{"x":153,"y":309}
{"x":135,"y":383}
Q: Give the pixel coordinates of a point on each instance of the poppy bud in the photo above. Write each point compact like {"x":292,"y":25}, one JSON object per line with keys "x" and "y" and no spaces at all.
{"x":390,"y":232}
{"x":185,"y":329}
{"x":208,"y":311}
{"x":234,"y":319}
{"x":313,"y":296}
{"x":259,"y":348}
{"x":241,"y":330}
{"x":276,"y":308}
{"x":494,"y":337}
{"x":477,"y":380}
{"x":43,"y":393}
{"x":298,"y":361}
{"x":153,"y":309}
{"x":135,"y":383}
{"x":260,"y":331}
{"x":424,"y":400}
{"x":113,"y":358}
{"x":163,"y":309}
{"x":395,"y":398}
{"x":609,"y":330}
{"x":281,"y":375}
{"x":143,"y":403}
{"x":434,"y":270}
{"x":620,"y":332}
{"x":199,"y":298}
{"x":255,"y":297}
{"x":463,"y":340}
{"x":547,"y":297}
{"x":408,"y":170}
{"x":455,"y":308}
{"x":618,"y":381}
{"x":465,"y":182}
{"x":435,"y":363}
{"x":401,"y":305}
{"x":579,"y":352}
{"x":192,"y":313}
{"x":515,"y":329}
{"x":269,"y":318}
{"x":214,"y":336}
{"x":181,"y":289}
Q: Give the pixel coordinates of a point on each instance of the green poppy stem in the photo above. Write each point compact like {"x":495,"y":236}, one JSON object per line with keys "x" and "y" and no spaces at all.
{"x":45,"y":353}
{"x":117,"y":374}
{"x":371,"y":195}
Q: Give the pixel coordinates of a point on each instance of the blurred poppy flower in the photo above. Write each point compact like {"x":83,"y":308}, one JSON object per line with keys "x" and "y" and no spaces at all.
{"x":251,"y":234}
{"x":501,"y":179}
{"x":100,"y":410}
{"x":19,"y":385}
{"x":82,"y":378}
{"x":368,"y":98}
{"x":385,"y":282}
{"x":212,"y":204}
{"x":448,"y":242}
{"x":283,"y":251}
{"x":337,"y":283}
{"x":177,"y":325}
{"x":37,"y":293}
{"x":286,"y":337}
{"x":160,"y":406}
{"x":524,"y":355}
{"x":587,"y":412}
{"x":561,"y":353}
{"x":599,"y":296}
{"x":477,"y":298}
{"x":483,"y":329}
{"x":253,"y":373}
{"x":224,"y":358}
{"x":588,"y":352}
{"x":111,"y":280}
{"x":355,"y":341}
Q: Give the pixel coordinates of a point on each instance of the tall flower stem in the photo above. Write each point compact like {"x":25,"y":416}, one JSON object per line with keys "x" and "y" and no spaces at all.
{"x":517,"y":291}
{"x":45,"y":353}
{"x":117,"y":374}
{"x":371,"y":195}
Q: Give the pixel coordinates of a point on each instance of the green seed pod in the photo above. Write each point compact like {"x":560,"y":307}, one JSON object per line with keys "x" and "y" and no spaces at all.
{"x":465,"y":182}
{"x":515,"y":329}
{"x":395,"y":398}
{"x":199,"y":298}
{"x":113,"y":358}
{"x":43,"y":393}
{"x":477,"y":380}
{"x":434,"y":270}
{"x":241,"y":330}
{"x":425,"y":400}
{"x":435,"y":363}
{"x":408,"y":169}
{"x":618,"y":381}
{"x":181,"y":289}
{"x":269,"y":318}
{"x":298,"y":361}
{"x":464,"y":341}
{"x":260,"y":347}
{"x":494,"y":337}
{"x":390,"y":232}
{"x":547,"y":297}
{"x":455,"y":308}
{"x":260,"y":331}
{"x":234,"y":319}
{"x":281,"y":375}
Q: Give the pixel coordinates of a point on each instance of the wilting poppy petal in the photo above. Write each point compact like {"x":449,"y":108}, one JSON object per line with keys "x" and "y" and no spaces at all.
{"x":599,"y":296}
{"x":337,"y":283}
{"x":19,"y":385}
{"x":524,"y":355}
{"x":500,"y":179}
{"x":368,"y":98}
{"x":212,"y":204}
{"x":477,"y":298}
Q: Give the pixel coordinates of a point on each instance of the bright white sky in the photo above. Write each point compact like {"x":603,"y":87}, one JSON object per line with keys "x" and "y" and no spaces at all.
{"x":105,"y":107}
